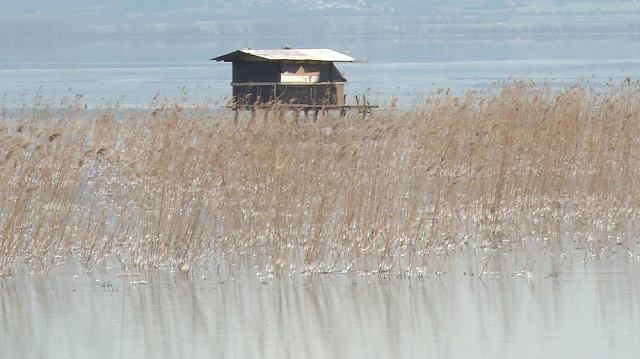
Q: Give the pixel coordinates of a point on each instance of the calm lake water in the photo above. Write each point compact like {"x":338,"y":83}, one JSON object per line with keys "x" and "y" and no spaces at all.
{"x":136,"y":84}
{"x":589,"y":310}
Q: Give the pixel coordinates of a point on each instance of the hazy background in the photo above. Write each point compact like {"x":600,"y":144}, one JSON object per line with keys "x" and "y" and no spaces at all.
{"x":91,"y":31}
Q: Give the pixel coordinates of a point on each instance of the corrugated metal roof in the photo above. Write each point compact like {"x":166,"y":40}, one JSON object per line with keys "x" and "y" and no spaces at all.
{"x":324,"y":55}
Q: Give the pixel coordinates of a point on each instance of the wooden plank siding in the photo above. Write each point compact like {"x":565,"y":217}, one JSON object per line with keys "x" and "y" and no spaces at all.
{"x":300,"y":94}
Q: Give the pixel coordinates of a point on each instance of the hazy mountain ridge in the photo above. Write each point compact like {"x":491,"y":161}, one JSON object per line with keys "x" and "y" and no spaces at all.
{"x":81,"y":18}
{"x":118,"y":11}
{"x":62,"y":29}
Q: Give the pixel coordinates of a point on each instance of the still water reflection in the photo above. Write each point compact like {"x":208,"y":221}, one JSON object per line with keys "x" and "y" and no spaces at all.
{"x":589,"y":311}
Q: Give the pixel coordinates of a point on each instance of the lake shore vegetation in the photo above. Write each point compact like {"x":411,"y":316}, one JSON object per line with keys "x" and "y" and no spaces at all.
{"x":520,"y":168}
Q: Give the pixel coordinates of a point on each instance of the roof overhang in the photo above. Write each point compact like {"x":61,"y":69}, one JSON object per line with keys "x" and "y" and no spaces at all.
{"x":294,"y":55}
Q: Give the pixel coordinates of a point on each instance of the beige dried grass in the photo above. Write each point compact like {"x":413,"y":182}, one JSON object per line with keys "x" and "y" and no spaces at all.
{"x":520,"y":168}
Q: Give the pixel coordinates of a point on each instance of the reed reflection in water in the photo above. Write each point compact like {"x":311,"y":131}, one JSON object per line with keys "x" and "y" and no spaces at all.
{"x":592,"y":311}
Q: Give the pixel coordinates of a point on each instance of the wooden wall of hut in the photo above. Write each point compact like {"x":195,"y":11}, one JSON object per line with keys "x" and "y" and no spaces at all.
{"x":255,"y":71}
{"x":324,"y":94}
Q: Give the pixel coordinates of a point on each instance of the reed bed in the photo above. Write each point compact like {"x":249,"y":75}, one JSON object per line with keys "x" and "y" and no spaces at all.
{"x":520,"y":168}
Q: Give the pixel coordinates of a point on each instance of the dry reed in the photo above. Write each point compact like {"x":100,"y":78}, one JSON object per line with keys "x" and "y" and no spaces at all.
{"x":518,"y":168}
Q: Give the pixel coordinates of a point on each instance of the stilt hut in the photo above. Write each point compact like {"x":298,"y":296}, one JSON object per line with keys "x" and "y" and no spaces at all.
{"x":303,"y":79}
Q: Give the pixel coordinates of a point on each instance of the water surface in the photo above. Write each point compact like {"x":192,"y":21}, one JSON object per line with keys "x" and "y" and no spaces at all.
{"x":591,"y":310}
{"x":142,"y":84}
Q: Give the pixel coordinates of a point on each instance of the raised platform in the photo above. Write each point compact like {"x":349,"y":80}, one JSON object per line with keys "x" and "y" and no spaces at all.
{"x":316,"y":109}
